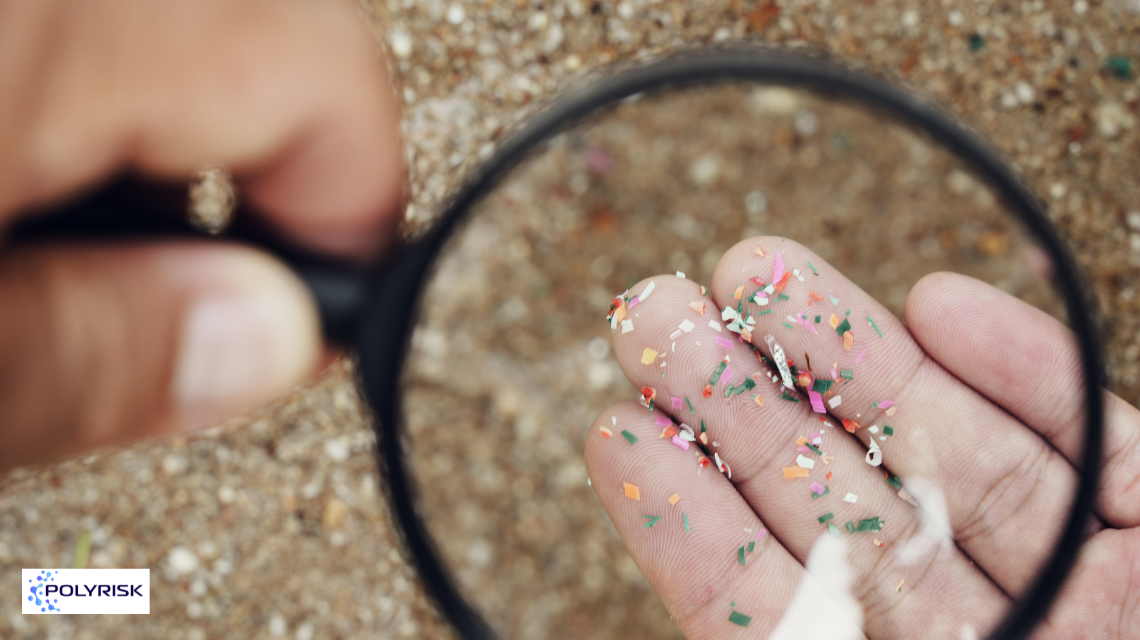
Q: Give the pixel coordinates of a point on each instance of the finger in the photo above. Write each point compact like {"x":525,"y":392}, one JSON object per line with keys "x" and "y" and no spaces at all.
{"x":687,"y":531}
{"x":1005,"y":486}
{"x":290,"y":96}
{"x":107,"y":344}
{"x":686,"y":372}
{"x":1027,"y":362}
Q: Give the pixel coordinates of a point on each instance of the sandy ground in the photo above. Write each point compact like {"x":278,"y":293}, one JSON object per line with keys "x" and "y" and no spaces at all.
{"x":273,"y":526}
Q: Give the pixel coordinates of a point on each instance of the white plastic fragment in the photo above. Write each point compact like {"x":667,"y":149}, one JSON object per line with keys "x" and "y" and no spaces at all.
{"x":686,"y":325}
{"x":874,"y":454}
{"x":626,"y":326}
{"x":681,"y":275}
{"x":873,"y":428}
{"x":781,"y":361}
{"x":835,"y":402}
{"x":648,"y":290}
{"x":851,"y":497}
{"x":805,"y":462}
{"x":715,"y":325}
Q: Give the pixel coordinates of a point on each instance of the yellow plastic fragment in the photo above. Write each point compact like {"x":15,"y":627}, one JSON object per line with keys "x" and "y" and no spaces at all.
{"x":675,"y":498}
{"x":632,"y":491}
{"x":649,"y":355}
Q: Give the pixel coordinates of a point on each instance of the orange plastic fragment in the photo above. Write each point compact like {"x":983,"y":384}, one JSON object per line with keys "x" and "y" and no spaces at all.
{"x":850,"y":425}
{"x":704,"y":461}
{"x":783,"y":281}
{"x":801,"y":441}
{"x":668,"y":432}
{"x":704,"y":290}
{"x":760,"y":251}
{"x":758,"y":400}
{"x":632,"y":491}
{"x":804,"y":380}
{"x":707,"y":391}
{"x":877,"y":542}
{"x":834,"y":321}
{"x":605,"y":431}
{"x":675,"y":498}
{"x":795,"y":472}
{"x":891,"y":411}
{"x":704,"y":437}
{"x":828,"y":475}
{"x":815,"y":296}
{"x":848,"y":340}
{"x":699,"y":307}
{"x":739,"y":292}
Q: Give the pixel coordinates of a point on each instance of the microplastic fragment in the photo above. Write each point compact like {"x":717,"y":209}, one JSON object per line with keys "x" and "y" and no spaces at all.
{"x":719,"y":370}
{"x":874,"y":457}
{"x":816,"y":487}
{"x":834,"y":300}
{"x":805,"y":462}
{"x":644,"y":295}
{"x":816,"y":494}
{"x":873,"y":428}
{"x":781,"y":361}
{"x":686,"y":325}
{"x":685,"y":519}
{"x":727,"y":375}
{"x":759,"y":250}
{"x":847,"y":373}
{"x":758,"y":400}
{"x":652,"y":520}
{"x":825,"y":517}
{"x":764,"y":312}
{"x":668,"y":432}
{"x":817,"y":319}
{"x":661,"y":421}
{"x":626,"y":326}
{"x":787,"y":324}
{"x":676,"y":402}
{"x":681,"y":275}
{"x":789,"y":398}
{"x":634,"y":301}
{"x":843,"y":327}
{"x":870,"y":524}
{"x":681,"y":442}
{"x":739,"y":292}
{"x":699,"y":307}
{"x":751,"y":546}
{"x":851,"y":497}
{"x":850,"y":526}
{"x":834,"y":321}
{"x":875,"y":326}
{"x":834,"y":402}
{"x":888,"y":430}
{"x":816,"y":401}
{"x":891,"y":411}
{"x":795,"y":472}
{"x":690,"y":405}
{"x":850,"y":425}
{"x":628,"y":436}
{"x":740,"y":555}
{"x":714,"y":325}
{"x":848,"y":341}
{"x":860,"y":358}
{"x":675,"y":498}
{"x":632,"y":491}
{"x":648,"y":356}
{"x":898,"y":589}
{"x":724,"y":342}
{"x":886,"y":404}
{"x":782,"y":297}
{"x":821,"y":386}
{"x":813,"y":269}
{"x":834,"y":531}
{"x":762,"y":533}
{"x":739,"y":619}
{"x":894,"y":482}
{"x":606,"y":433}
{"x":778,"y":268}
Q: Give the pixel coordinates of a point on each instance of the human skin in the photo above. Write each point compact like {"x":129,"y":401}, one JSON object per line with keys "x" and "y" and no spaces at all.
{"x":106,"y":343}
{"x":987,"y":407}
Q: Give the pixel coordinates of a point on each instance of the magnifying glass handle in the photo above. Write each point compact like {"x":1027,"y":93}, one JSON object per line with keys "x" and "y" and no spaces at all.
{"x":131,"y":208}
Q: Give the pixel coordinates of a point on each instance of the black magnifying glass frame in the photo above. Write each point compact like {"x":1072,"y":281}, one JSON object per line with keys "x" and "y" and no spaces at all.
{"x":387,"y":324}
{"x":374,"y":311}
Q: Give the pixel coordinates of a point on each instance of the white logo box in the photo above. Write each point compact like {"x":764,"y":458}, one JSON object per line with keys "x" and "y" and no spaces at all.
{"x":85,"y":591}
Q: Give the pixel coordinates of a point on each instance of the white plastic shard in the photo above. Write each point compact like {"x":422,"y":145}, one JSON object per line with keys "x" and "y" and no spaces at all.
{"x":648,"y":290}
{"x":835,"y":402}
{"x":714,"y":325}
{"x":728,"y":313}
{"x":686,"y":325}
{"x":851,"y":497}
{"x":874,"y":454}
{"x":626,"y":326}
{"x":781,"y":361}
{"x":681,"y":275}
{"x":805,"y":462}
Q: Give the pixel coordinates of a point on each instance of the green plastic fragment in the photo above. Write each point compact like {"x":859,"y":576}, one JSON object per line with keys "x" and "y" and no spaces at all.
{"x":740,"y":555}
{"x":751,"y":546}
{"x":749,"y":383}
{"x":850,"y":527}
{"x":739,"y":619}
{"x":888,"y":430}
{"x":870,"y":524}
{"x":719,"y":370}
{"x":843,"y":327}
{"x":628,"y":436}
{"x":703,"y":425}
{"x":825,"y":517}
{"x":847,"y":373}
{"x":817,"y":319}
{"x":764,"y":312}
{"x":813,"y":269}
{"x":834,"y":531}
{"x":894,"y":482}
{"x":814,"y":448}
{"x":787,"y":324}
{"x":875,"y":326}
{"x":685,"y":519}
{"x":848,"y":312}
{"x":740,"y":306}
{"x":651,"y":405}
{"x":826,"y":490}
{"x":651,"y":520}
{"x":783,"y":296}
{"x":821,"y":386}
{"x":785,"y":396}
{"x":977,"y":42}
{"x":1120,"y":67}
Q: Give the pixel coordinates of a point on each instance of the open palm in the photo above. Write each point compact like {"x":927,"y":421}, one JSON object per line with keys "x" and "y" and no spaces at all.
{"x":723,"y":488}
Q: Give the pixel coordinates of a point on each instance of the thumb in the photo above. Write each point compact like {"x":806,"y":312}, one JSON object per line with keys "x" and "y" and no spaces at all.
{"x":105,"y":344}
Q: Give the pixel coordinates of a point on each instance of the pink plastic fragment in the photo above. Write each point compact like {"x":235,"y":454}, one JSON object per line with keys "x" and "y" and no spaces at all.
{"x":817,"y":487}
{"x":860,"y":356}
{"x":803,"y":449}
{"x":676,"y":403}
{"x":817,"y":438}
{"x":807,"y":323}
{"x":682,"y":444}
{"x":634,"y":301}
{"x":816,"y":401}
{"x":886,"y":404}
{"x":778,"y":271}
{"x":763,"y":532}
{"x":662,"y":421}
{"x":726,"y":376}
{"x":724,"y":342}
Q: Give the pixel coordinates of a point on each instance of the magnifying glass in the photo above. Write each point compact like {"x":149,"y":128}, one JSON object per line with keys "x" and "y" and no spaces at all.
{"x":485,"y":352}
